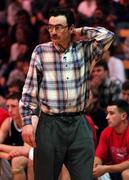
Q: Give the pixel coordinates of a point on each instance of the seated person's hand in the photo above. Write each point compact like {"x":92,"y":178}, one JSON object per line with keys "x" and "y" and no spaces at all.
{"x":99,"y":170}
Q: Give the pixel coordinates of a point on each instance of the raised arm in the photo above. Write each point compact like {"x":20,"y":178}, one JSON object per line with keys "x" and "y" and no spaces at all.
{"x":97,"y":39}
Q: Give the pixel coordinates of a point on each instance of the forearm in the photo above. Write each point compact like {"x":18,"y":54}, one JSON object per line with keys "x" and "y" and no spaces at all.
{"x":117,"y":167}
{"x":4,"y":155}
{"x":97,"y":161}
{"x":7,"y":148}
{"x":1,"y":139}
{"x":97,"y":33}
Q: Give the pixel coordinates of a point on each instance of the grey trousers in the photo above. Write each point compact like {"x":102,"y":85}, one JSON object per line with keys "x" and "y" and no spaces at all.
{"x":63,"y":139}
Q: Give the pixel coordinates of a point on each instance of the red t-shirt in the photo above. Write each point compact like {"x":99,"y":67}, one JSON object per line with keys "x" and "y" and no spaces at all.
{"x":113,"y":147}
{"x":3,"y":115}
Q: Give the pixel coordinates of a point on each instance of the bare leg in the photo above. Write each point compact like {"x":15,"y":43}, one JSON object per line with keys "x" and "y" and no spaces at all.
{"x":19,"y":164}
{"x":30,"y":172}
{"x":125,"y":174}
{"x":64,"y":175}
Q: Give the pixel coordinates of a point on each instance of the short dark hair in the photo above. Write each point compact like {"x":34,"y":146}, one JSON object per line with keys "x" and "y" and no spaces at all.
{"x":121,"y":104}
{"x":67,"y":12}
{"x":125,"y":85}
{"x":102,"y":64}
{"x":14,"y":96}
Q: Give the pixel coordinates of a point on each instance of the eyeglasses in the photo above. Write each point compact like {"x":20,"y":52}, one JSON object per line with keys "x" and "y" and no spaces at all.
{"x":58,"y":27}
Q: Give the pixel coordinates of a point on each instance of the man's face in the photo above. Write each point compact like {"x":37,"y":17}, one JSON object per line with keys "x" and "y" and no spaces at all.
{"x":13,"y":108}
{"x":114,"y":117}
{"x":99,"y":72}
{"x":59,"y":31}
{"x":125,"y":95}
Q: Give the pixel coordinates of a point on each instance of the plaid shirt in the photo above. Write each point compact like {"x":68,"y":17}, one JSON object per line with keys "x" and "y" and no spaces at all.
{"x":65,"y":77}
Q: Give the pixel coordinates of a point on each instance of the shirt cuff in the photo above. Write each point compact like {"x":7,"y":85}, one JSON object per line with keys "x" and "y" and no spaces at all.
{"x":31,"y":153}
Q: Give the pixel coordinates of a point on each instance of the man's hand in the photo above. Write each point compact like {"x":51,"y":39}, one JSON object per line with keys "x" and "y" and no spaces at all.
{"x":99,"y":170}
{"x":28,"y":135}
{"x":77,"y":34}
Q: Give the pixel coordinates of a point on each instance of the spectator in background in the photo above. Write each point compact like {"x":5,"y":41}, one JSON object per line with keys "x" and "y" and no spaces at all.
{"x":84,"y":12}
{"x":21,"y":45}
{"x":10,"y":133}
{"x":21,"y":68}
{"x":108,"y":88}
{"x":23,"y":19}
{"x":125,"y":91}
{"x":12,"y":8}
{"x":3,"y":115}
{"x":87,"y":8}
{"x":43,"y":35}
{"x":5,"y":44}
{"x":64,"y":3}
{"x":2,"y":100}
{"x":115,"y":66}
{"x":15,"y":86}
{"x":112,"y":153}
{"x":125,"y":48}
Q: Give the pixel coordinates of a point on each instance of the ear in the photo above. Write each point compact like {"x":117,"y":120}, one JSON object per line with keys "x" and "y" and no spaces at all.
{"x":71,"y":28}
{"x":124,"y":116}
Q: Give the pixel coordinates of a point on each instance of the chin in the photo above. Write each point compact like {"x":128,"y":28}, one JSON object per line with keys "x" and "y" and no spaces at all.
{"x":110,"y":125}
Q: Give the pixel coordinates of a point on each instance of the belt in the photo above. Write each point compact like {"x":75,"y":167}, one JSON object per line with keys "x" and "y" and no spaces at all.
{"x":66,"y":113}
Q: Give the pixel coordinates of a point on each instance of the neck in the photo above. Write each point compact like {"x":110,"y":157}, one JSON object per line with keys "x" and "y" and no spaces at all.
{"x":122,"y":127}
{"x":63,"y":46}
{"x":19,"y":123}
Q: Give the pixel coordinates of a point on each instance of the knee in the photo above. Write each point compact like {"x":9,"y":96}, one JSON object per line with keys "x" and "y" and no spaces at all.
{"x":18,"y":162}
{"x":125,"y":174}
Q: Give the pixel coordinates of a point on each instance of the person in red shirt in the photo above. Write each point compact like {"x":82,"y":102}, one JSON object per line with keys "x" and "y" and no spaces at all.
{"x":112,"y":153}
{"x":3,"y":115}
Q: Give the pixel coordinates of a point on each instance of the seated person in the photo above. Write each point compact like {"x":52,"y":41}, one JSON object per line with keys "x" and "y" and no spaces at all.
{"x":112,"y":153}
{"x":10,"y":134}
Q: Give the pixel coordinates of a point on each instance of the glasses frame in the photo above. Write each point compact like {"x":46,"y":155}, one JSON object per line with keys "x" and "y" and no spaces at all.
{"x":57,"y":27}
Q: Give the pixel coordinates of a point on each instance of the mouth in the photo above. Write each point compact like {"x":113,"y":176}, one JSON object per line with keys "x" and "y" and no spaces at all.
{"x":54,"y":37}
{"x":109,"y":122}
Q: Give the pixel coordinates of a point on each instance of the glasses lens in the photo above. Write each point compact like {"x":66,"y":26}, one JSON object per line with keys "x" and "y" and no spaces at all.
{"x":57,"y":28}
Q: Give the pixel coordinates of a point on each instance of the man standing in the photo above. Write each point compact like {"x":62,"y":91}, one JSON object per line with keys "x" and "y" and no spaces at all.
{"x":63,"y":135}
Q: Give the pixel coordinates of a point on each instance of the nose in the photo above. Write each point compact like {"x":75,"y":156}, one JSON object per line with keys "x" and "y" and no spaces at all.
{"x":94,"y":73}
{"x":53,"y":30}
{"x":9,"y":109}
{"x":107,"y":117}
